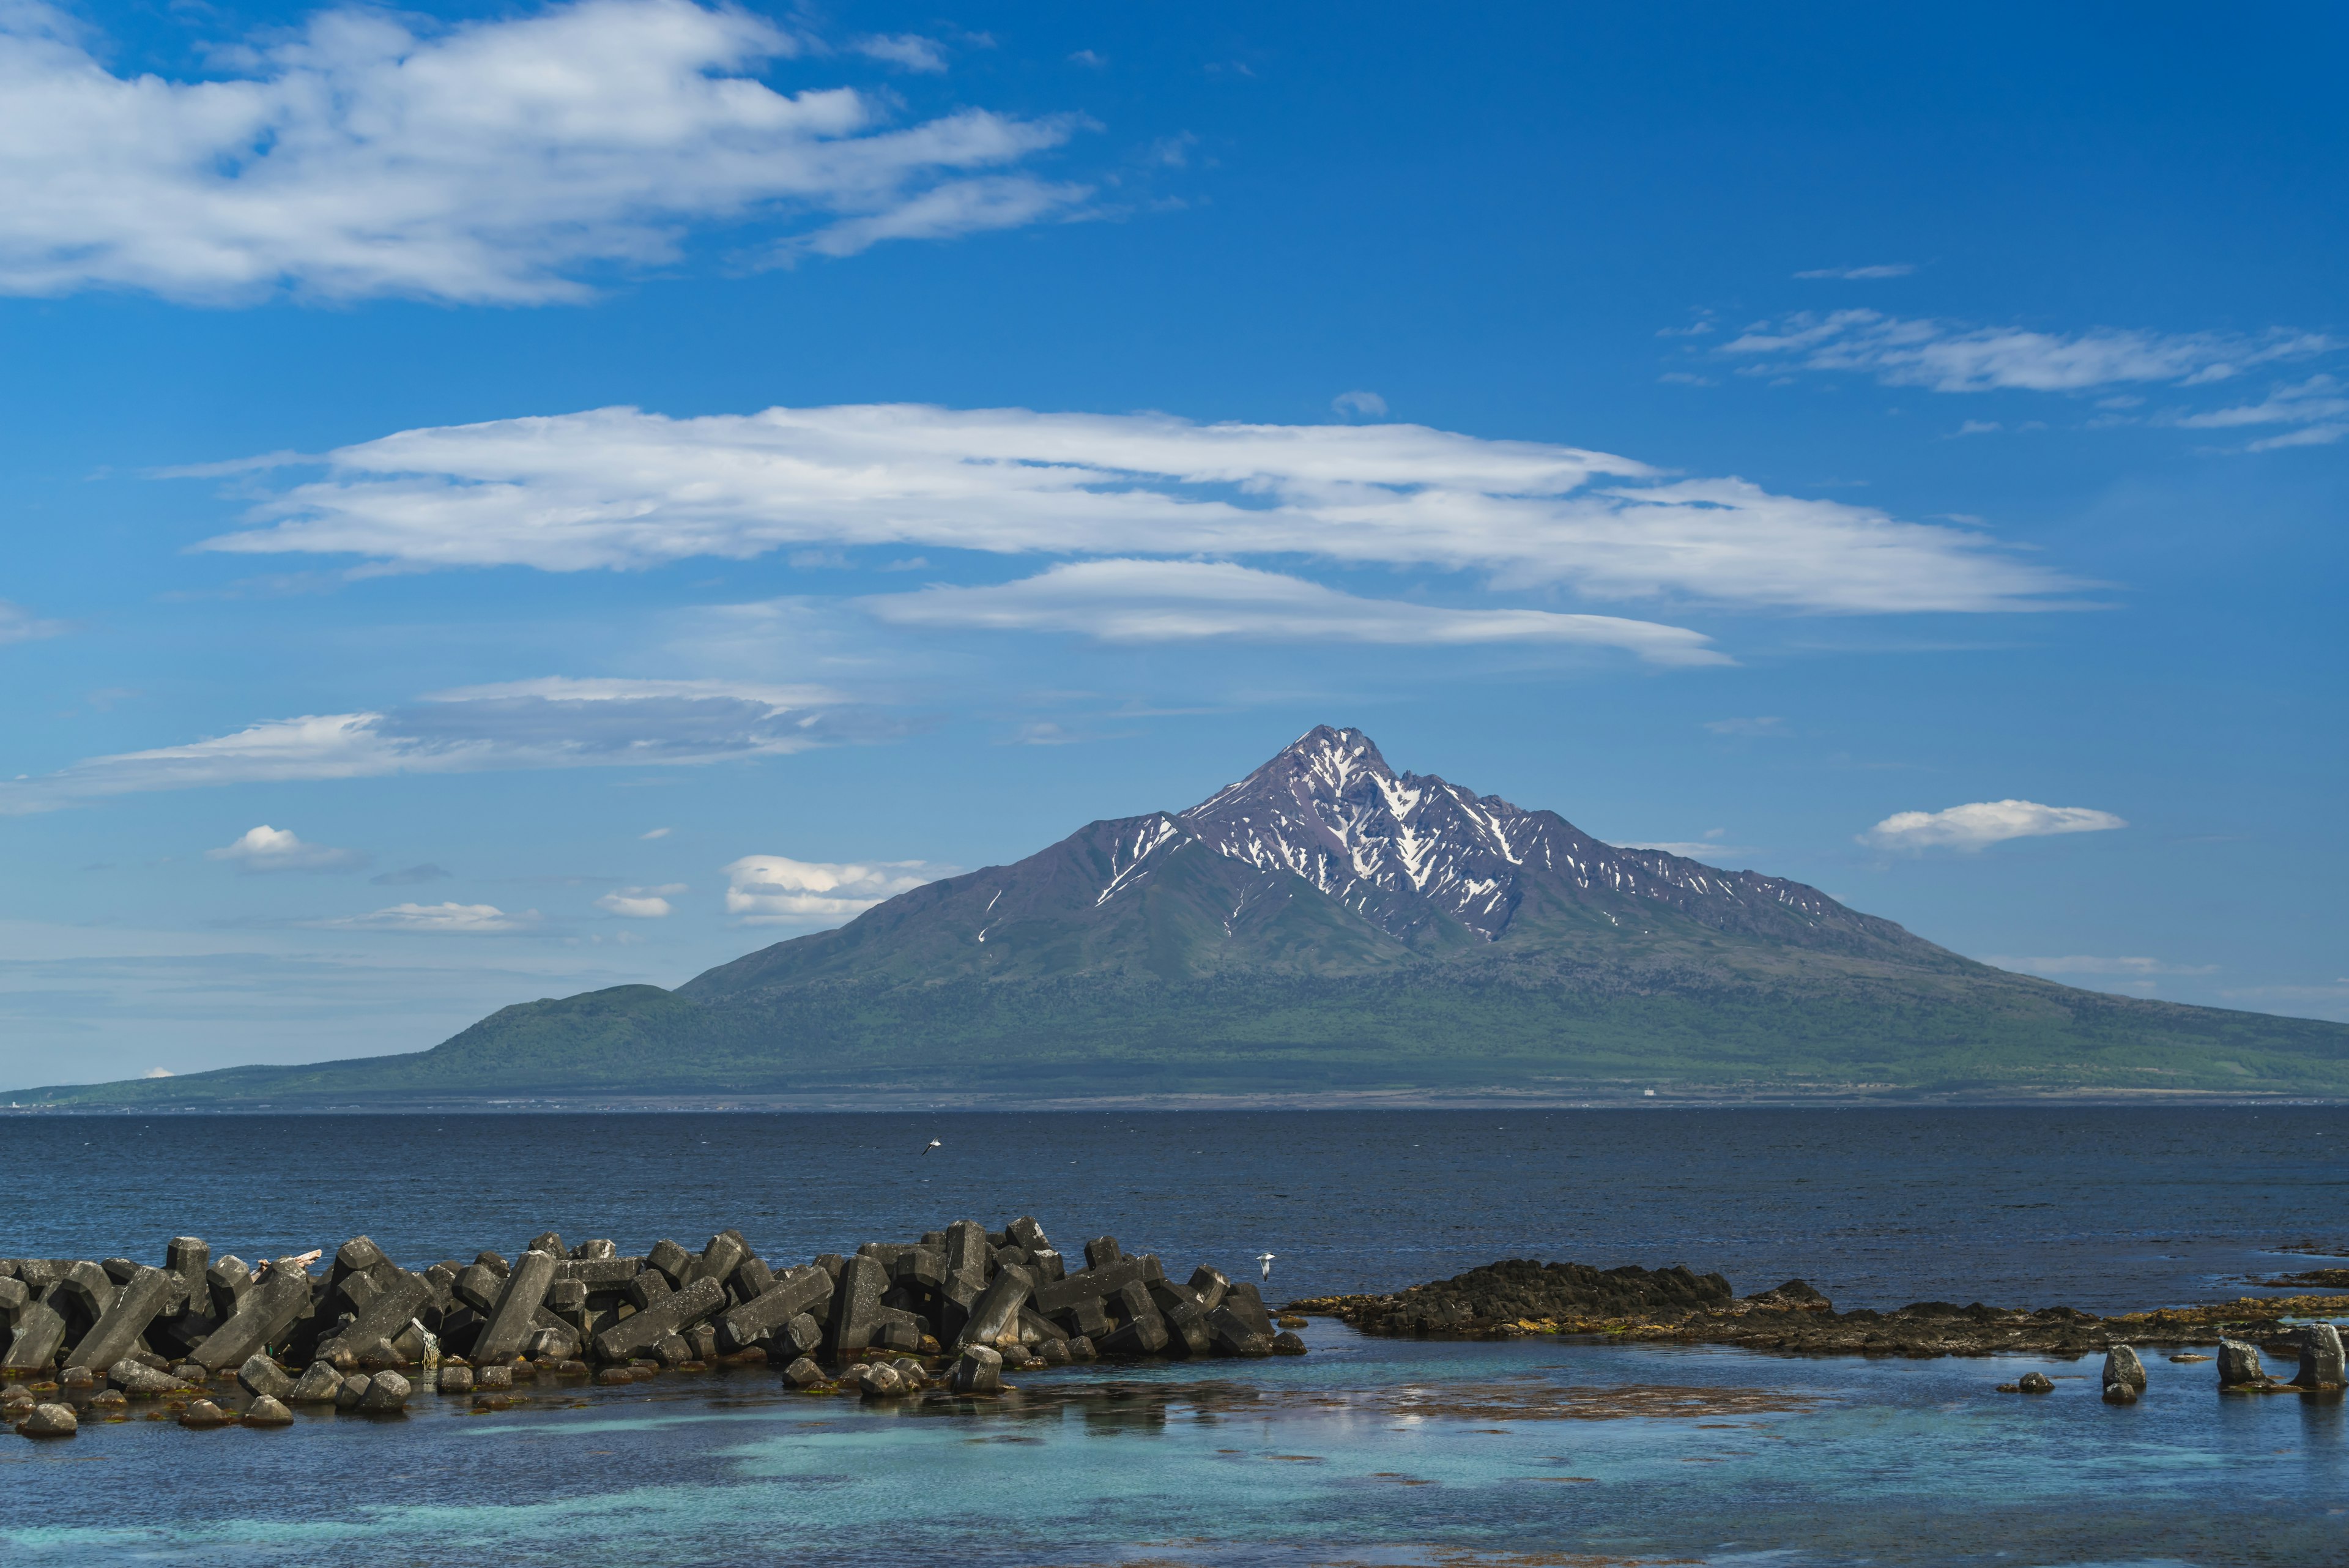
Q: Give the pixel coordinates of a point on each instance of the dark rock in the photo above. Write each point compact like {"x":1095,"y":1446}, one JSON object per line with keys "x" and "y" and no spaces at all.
{"x":978,"y":1370}
{"x":386,"y":1392}
{"x":204,"y":1413}
{"x":455,"y":1380}
{"x":268,"y":1412}
{"x":2035,"y":1383}
{"x":318,"y":1385}
{"x":802,"y":1373}
{"x":352,"y":1389}
{"x":2320,"y":1357}
{"x":50,"y":1421}
{"x":264,"y":1378}
{"x":1286,"y":1344}
{"x":2239,"y":1365}
{"x":2122,"y":1367}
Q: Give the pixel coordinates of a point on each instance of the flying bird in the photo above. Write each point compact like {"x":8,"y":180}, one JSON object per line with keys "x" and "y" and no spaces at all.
{"x":1265,"y":1259}
{"x":934,"y":1143}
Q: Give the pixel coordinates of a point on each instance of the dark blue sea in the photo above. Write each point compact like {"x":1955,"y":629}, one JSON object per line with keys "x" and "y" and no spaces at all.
{"x":1364,"y":1451}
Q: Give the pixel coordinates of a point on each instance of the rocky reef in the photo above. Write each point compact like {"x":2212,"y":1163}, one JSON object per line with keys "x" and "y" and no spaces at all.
{"x":953,"y":1308}
{"x":1519,"y":1296}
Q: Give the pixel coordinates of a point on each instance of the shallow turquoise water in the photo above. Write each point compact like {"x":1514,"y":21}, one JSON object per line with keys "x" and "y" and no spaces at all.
{"x":1366,"y":1452}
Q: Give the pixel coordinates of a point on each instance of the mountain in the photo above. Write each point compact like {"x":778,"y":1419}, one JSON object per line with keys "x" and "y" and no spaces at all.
{"x":1329,"y":925}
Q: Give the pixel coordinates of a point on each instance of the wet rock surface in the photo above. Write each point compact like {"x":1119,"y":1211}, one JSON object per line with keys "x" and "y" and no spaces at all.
{"x":1518,"y":1297}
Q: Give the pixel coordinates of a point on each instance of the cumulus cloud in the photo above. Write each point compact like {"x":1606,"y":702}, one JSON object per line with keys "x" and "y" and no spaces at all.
{"x":20,"y":625}
{"x":460,"y":920}
{"x":1176,"y":601}
{"x":551,"y":723}
{"x":501,"y":161}
{"x":772,"y":889}
{"x":619,"y":488}
{"x":1984,"y":823}
{"x":1370,"y":405}
{"x":640,"y":903}
{"x":1953,"y":356}
{"x":267,"y":848}
{"x":1861,"y":273}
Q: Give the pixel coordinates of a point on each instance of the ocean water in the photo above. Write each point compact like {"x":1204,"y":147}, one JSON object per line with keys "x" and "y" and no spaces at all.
{"x":1364,"y":1451}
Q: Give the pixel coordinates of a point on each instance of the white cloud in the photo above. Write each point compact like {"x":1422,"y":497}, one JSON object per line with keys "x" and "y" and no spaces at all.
{"x":551,"y":723}
{"x":619,"y":488}
{"x":1370,"y":405}
{"x":1173,"y":601}
{"x":157,"y":1073}
{"x":1950,"y":356}
{"x":1861,"y":273}
{"x":2081,"y":963}
{"x":456,"y":918}
{"x":1984,"y":823}
{"x":960,"y":207}
{"x":267,"y":848}
{"x":20,"y":625}
{"x":640,"y":903}
{"x":910,"y":50}
{"x":1704,"y":849}
{"x":493,"y":161}
{"x":656,"y":833}
{"x":771,"y":890}
{"x":2318,"y":404}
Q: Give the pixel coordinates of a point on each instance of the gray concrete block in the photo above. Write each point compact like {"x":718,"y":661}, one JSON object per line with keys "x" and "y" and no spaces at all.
{"x":1101,"y":1251}
{"x":647,"y":1288}
{"x":1187,"y":1330}
{"x":565,"y":1297}
{"x":1047,"y":1265}
{"x":118,"y":1328}
{"x":514,"y":1318}
{"x":277,"y":1299}
{"x":387,"y":1394}
{"x":802,"y":1373}
{"x":719,"y":1259}
{"x":352,"y":1390}
{"x":1035,"y":1327}
{"x":1234,"y":1335}
{"x":14,"y":1297}
{"x":750,"y":1280}
{"x":978,"y":1370}
{"x":600,"y":1273}
{"x":1026,"y":1234}
{"x":1285,"y":1343}
{"x":478,"y":1286}
{"x":260,"y":1376}
{"x":268,"y":1410}
{"x":897,"y":1334}
{"x":1080,"y":1348}
{"x":225,"y":1282}
{"x":548,"y":1242}
{"x":673,"y":1261}
{"x":856,"y":1304}
{"x":369,"y":1336}
{"x":802,"y":1335}
{"x":1244,"y":1303}
{"x":140,"y":1381}
{"x":596,"y":1250}
{"x":789,"y":1297}
{"x":356,"y":1256}
{"x":921,"y":1268}
{"x":831,"y":1264}
{"x":1209,"y":1286}
{"x":318,"y":1385}
{"x":967,"y":1258}
{"x":679,"y":1309}
{"x":997,"y":1311}
{"x":455,"y":1380}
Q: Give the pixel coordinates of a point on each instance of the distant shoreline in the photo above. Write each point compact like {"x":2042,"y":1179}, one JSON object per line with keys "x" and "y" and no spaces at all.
{"x":884,"y":1102}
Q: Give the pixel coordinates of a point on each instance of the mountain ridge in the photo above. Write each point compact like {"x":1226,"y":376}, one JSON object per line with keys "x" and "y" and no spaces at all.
{"x":1327,"y":924}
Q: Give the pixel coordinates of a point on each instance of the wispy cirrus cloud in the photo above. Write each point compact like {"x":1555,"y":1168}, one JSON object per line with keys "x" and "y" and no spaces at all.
{"x":1178,"y":601}
{"x":506,"y":160}
{"x":20,"y":625}
{"x":2319,"y":405}
{"x":1956,"y":357}
{"x":265,"y":848}
{"x":547,"y":723}
{"x":1870,"y":274}
{"x":774,"y":890}
{"x":1980,"y":823}
{"x":619,"y":488}
{"x":451,"y":919}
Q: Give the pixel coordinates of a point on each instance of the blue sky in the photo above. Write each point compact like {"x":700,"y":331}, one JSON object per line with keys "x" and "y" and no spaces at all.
{"x":507,"y":501}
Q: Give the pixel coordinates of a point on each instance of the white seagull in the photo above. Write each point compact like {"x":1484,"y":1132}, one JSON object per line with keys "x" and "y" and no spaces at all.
{"x":934,"y":1143}
{"x":1265,"y":1259}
